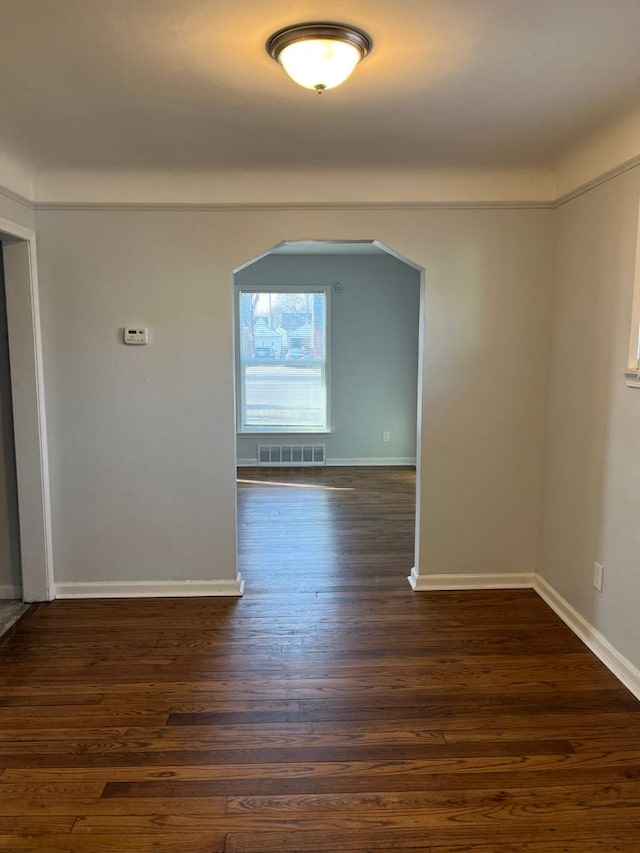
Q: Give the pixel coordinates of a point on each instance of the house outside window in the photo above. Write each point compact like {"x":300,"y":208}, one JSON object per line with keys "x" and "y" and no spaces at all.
{"x":282,"y":338}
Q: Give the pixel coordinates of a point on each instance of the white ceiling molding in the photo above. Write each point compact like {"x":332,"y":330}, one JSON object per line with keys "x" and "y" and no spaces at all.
{"x":596,"y":182}
{"x":550,"y":202}
{"x":292,"y":187}
{"x":611,"y":150}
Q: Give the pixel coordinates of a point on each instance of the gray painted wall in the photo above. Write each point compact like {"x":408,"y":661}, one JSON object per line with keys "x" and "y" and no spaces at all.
{"x":592,"y":466}
{"x":374,"y":350}
{"x":141,"y":440}
{"x":9,"y":523}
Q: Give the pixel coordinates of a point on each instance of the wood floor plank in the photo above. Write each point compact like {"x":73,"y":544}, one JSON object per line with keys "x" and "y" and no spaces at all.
{"x":44,"y":791}
{"x":109,"y":754}
{"x":478,"y":806}
{"x":58,"y":718}
{"x":312,"y":687}
{"x":208,"y":779}
{"x":338,"y":711}
{"x":168,"y":842}
{"x":436,"y":708}
{"x":292,"y":734}
{"x":75,"y":805}
{"x":383,"y":840}
{"x":432,"y":813}
{"x":374,"y":777}
{"x":612,"y":844}
{"x":32,"y":823}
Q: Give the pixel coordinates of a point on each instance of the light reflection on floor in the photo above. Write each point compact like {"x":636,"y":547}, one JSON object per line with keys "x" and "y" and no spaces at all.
{"x":289,"y":530}
{"x":298,"y":485}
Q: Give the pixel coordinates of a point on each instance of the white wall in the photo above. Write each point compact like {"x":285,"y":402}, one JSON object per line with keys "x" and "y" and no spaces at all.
{"x":141,"y":440}
{"x":593,"y":429}
{"x":374,"y":350}
{"x":290,"y":185}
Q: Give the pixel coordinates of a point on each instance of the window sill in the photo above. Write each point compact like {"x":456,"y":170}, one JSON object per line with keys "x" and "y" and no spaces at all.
{"x":632,"y":377}
{"x":269,"y":431}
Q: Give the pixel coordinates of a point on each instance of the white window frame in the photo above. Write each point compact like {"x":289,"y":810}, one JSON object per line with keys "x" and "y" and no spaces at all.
{"x":242,"y":430}
{"x":632,"y":371}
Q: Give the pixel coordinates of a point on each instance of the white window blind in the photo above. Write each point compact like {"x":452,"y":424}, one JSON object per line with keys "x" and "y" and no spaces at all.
{"x":282,"y":345}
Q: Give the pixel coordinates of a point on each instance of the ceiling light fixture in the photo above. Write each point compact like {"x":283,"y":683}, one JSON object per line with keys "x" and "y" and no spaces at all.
{"x":319,"y":55}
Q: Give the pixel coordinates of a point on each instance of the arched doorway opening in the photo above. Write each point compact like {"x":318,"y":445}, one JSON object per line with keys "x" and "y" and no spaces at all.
{"x":328,"y":394}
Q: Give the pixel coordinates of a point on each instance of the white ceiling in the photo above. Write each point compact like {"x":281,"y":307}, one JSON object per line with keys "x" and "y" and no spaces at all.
{"x":187,"y":84}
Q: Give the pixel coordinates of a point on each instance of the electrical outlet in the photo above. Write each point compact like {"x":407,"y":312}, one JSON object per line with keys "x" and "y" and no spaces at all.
{"x":598,"y":576}
{"x":386,"y":436}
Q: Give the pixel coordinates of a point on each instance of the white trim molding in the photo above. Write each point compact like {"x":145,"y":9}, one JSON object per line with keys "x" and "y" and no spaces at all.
{"x":558,"y":189}
{"x":30,"y":426}
{"x":619,"y":665}
{"x":275,"y":206}
{"x":152,"y":589}
{"x":600,"y":178}
{"x":182,"y":202}
{"x":10,"y":591}
{"x":426,"y":583}
{"x":373,"y":461}
{"x":260,"y":188}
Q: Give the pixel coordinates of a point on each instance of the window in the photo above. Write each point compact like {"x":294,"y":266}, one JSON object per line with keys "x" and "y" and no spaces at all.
{"x":282,"y":342}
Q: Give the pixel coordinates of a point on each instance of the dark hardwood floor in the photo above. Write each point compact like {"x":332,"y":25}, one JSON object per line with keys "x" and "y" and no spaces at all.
{"x":332,"y":709}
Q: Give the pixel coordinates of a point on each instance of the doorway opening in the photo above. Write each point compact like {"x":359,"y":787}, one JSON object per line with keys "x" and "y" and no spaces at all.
{"x":328,"y":360}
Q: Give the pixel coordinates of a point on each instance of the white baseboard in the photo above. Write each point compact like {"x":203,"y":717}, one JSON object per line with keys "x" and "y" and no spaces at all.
{"x":151,"y":589}
{"x":360,"y":462}
{"x":424,"y":583}
{"x":619,"y":665}
{"x":10,"y":591}
{"x":367,"y":462}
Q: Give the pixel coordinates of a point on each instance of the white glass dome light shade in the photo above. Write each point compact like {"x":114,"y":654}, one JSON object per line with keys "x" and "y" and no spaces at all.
{"x":319,"y":63}
{"x":319,"y":55}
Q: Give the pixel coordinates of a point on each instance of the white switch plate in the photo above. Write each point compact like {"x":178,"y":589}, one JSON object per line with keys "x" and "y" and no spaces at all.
{"x":598,"y":576}
{"x":136,"y":335}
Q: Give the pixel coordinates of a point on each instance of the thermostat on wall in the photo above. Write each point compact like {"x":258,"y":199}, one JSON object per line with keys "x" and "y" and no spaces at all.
{"x":135,"y":335}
